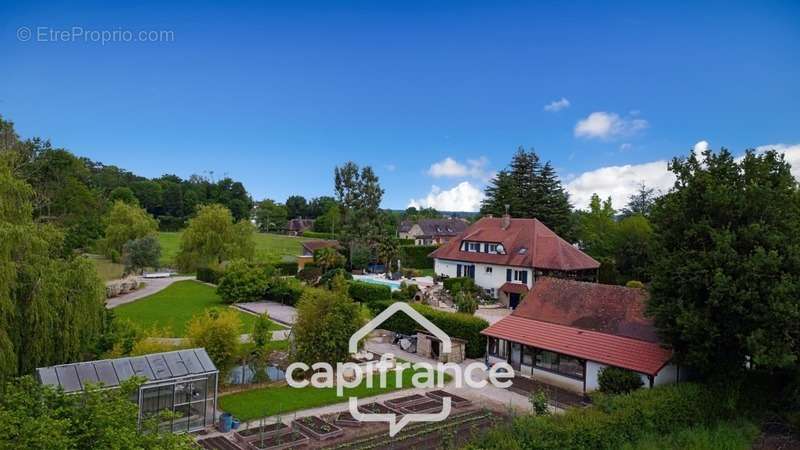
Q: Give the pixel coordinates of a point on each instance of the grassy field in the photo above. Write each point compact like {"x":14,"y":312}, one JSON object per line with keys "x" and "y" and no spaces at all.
{"x":269,"y":247}
{"x":174,"y":306}
{"x":269,"y":401}
{"x":106,"y":269}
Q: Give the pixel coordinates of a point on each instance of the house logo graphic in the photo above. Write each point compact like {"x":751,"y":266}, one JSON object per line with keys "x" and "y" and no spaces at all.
{"x":396,"y":425}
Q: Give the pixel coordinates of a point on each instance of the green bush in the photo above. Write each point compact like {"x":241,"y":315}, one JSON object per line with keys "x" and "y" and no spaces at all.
{"x":288,"y":268}
{"x":614,"y":421}
{"x":209,"y":275}
{"x":328,"y":276}
{"x":457,"y":325}
{"x":309,"y":274}
{"x":242,"y":282}
{"x":461,"y":284}
{"x":284,"y":290}
{"x":466,"y":303}
{"x":635,"y":284}
{"x":318,"y":235}
{"x":405,"y":241}
{"x":416,"y":256}
{"x":613,"y":380}
{"x":368,"y":293}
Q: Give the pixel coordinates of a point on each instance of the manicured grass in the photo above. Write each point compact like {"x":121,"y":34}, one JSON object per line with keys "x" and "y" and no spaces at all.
{"x":174,"y":306}
{"x":269,"y":247}
{"x":106,"y":269}
{"x":270,"y":401}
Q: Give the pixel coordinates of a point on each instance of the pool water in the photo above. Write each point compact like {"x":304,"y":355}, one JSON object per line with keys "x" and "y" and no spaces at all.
{"x":393,"y":285}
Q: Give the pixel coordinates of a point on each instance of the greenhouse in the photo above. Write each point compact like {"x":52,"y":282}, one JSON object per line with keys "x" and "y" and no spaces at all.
{"x":183,"y":382}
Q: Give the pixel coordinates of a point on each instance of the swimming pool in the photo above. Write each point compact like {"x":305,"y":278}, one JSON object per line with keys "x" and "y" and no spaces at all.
{"x":393,"y":285}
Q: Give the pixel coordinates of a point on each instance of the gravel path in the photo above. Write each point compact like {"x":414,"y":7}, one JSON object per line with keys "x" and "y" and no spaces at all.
{"x":152,"y":285}
{"x":279,"y":313}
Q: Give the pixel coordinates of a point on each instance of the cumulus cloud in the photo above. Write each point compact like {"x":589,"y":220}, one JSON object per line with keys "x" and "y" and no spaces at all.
{"x":449,"y":167}
{"x":605,"y":125}
{"x":699,"y":148}
{"x":618,"y":182}
{"x":791,"y":152}
{"x":463,"y":197}
{"x":557,"y":105}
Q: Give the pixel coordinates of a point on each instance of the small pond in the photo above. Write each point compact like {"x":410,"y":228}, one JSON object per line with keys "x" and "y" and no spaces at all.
{"x":248,"y":374}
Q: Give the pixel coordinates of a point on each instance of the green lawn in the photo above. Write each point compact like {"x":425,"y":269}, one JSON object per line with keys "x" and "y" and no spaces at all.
{"x":270,"y":401}
{"x":175,"y":305}
{"x":106,"y":269}
{"x":269,"y":247}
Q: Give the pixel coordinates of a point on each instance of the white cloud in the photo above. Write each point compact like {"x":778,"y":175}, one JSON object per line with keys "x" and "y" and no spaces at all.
{"x":625,"y":146}
{"x":449,"y":167}
{"x":618,"y":182}
{"x":463,"y":197}
{"x":557,"y":105}
{"x":390,"y":167}
{"x":605,"y":125}
{"x":791,"y":152}
{"x":699,"y":148}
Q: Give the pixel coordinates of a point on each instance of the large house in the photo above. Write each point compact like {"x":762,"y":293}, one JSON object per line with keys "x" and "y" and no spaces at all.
{"x":309,"y":247}
{"x":505,"y":256}
{"x":296,"y":227}
{"x":565,"y":332}
{"x":431,"y":231}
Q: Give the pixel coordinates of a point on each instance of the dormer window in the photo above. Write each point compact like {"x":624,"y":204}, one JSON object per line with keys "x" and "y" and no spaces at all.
{"x":474,"y":246}
{"x":491,"y":248}
{"x":522,"y":251}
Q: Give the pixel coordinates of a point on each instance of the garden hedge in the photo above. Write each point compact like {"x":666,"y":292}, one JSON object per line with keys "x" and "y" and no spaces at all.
{"x":284,"y":290}
{"x":368,"y":293}
{"x":457,"y":325}
{"x":405,"y":242}
{"x":416,"y":256}
{"x":209,"y":275}
{"x":615,"y":421}
{"x":288,"y":268}
{"x":318,"y":235}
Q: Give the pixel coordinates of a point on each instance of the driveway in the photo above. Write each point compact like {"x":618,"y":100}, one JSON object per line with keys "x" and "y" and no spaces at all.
{"x":284,"y":314}
{"x":152,"y":285}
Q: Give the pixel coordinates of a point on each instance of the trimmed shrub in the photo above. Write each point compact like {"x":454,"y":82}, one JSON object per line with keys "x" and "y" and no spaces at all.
{"x":288,"y":268}
{"x":405,"y":241}
{"x":242,"y":282}
{"x":368,"y":293}
{"x":462,"y":326}
{"x":461,"y":284}
{"x":613,"y":380}
{"x":318,"y":235}
{"x":635,"y":284}
{"x":416,"y":256}
{"x":284,"y":290}
{"x":209,"y":275}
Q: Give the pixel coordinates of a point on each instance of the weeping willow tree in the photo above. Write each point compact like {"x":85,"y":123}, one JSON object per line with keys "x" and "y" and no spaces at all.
{"x":51,"y":307}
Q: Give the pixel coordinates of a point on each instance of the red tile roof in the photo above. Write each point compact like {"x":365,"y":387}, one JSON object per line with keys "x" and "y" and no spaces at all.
{"x":640,"y":356}
{"x":527,"y":242}
{"x":516,"y":288}
{"x":616,"y":310}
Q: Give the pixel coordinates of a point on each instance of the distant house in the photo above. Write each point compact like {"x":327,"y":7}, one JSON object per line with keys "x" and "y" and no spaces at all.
{"x":565,"y":332}
{"x":296,"y":227}
{"x":505,"y":256}
{"x":431,"y":231}
{"x":309,"y":247}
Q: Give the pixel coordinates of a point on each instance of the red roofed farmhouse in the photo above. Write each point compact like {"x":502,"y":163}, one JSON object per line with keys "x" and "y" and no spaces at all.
{"x":505,"y":256}
{"x":565,"y":332}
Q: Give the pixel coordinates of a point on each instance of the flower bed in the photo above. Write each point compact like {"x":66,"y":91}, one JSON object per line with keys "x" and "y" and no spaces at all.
{"x":345,"y":419}
{"x":280,"y":441}
{"x":317,"y":428}
{"x":429,"y":406}
{"x":377,"y":408}
{"x":265,"y":431}
{"x":455,"y":400}
{"x":406,"y":400}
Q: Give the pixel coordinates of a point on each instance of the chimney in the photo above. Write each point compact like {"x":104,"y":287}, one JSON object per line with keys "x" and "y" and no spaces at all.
{"x":506,"y":219}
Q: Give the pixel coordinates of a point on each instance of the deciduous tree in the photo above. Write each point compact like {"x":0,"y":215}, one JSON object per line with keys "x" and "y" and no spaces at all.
{"x":212,"y":237}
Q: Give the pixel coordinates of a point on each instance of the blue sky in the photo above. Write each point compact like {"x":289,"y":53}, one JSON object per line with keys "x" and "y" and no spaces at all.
{"x":277,"y":94}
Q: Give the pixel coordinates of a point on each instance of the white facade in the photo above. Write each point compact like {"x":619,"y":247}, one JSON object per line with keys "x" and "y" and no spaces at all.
{"x":487,"y":276}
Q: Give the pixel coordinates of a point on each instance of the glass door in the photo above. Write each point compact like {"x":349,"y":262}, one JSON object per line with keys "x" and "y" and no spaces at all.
{"x":515,"y":355}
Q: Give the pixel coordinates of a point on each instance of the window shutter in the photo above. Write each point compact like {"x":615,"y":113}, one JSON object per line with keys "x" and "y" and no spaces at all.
{"x":508,"y":274}
{"x":525,"y":276}
{"x":458,"y":271}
